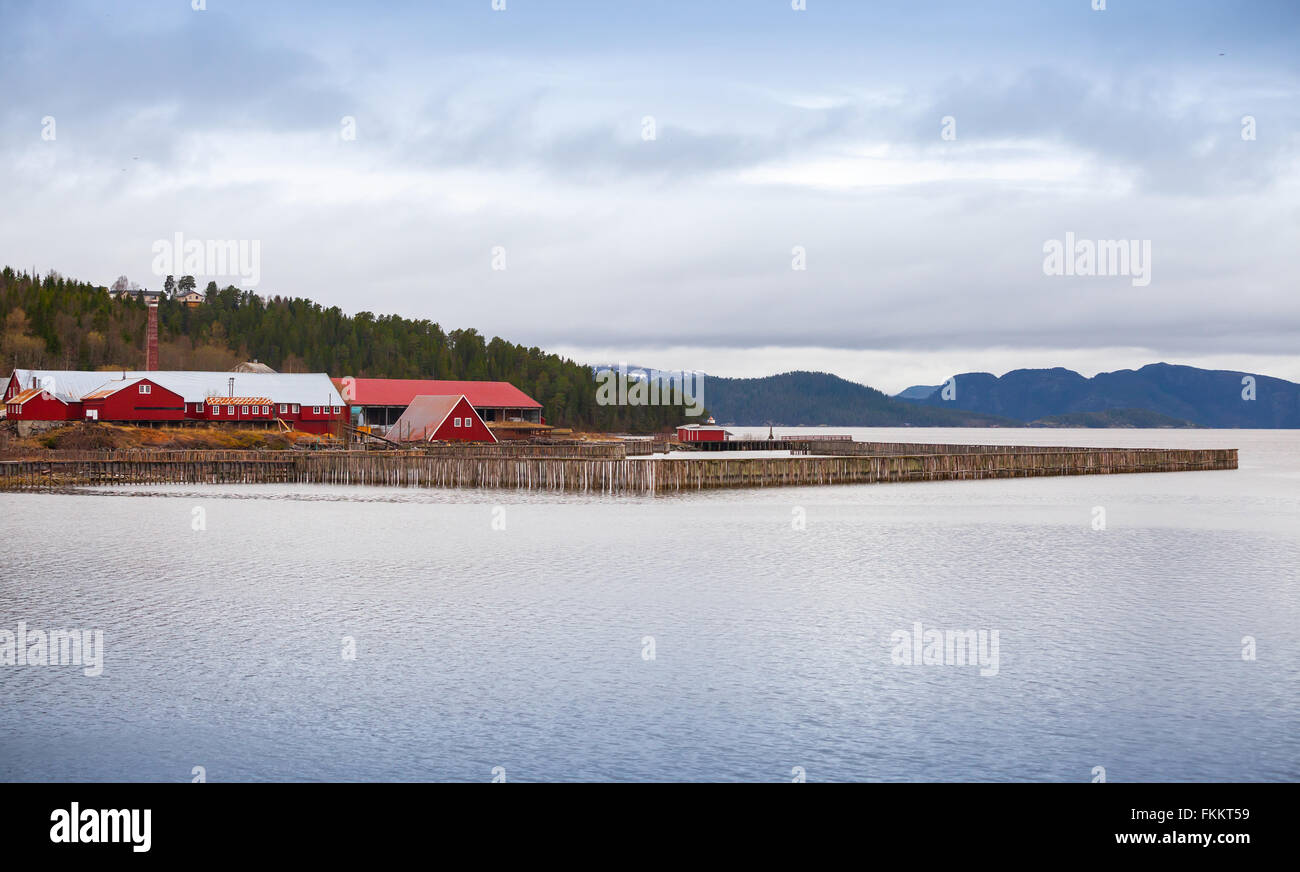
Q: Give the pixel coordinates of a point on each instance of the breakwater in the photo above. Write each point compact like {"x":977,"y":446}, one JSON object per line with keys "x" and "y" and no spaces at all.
{"x":853,"y":449}
{"x":591,"y":474}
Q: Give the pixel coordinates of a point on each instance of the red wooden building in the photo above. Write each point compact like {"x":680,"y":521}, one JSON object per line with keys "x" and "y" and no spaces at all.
{"x":38,"y":404}
{"x":134,"y":399}
{"x":318,"y":419}
{"x":66,"y":385}
{"x":702,"y":433}
{"x":378,"y":402}
{"x":233,"y":409}
{"x":440,"y":419}
{"x":304,"y":401}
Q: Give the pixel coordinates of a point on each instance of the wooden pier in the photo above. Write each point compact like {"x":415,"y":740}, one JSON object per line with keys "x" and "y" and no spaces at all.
{"x":855,"y":449}
{"x":613,"y":475}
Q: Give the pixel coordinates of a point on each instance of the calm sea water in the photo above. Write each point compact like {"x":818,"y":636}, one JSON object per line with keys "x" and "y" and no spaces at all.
{"x":529,"y":647}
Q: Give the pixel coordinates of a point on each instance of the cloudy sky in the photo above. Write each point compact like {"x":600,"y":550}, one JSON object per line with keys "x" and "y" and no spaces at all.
{"x":647,"y":172}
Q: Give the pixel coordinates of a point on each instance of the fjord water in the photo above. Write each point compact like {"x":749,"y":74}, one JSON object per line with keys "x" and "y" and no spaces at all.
{"x":526,"y":647}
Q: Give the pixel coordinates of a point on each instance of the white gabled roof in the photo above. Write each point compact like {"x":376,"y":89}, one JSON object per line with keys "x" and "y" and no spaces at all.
{"x":108,"y":388}
{"x":305,"y":389}
{"x":68,"y":385}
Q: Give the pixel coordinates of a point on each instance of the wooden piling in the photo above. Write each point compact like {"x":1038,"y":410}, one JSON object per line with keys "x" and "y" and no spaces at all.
{"x":612,"y":474}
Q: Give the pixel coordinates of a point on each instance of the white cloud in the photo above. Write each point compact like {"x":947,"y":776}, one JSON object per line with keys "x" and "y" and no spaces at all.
{"x":684,"y":242}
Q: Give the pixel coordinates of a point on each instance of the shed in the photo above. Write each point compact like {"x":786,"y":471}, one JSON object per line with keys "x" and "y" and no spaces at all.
{"x":440,"y":418}
{"x":702,"y":433}
{"x":38,"y":404}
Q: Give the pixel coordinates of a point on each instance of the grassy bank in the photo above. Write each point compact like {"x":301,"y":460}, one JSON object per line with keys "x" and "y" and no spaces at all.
{"x":117,"y":437}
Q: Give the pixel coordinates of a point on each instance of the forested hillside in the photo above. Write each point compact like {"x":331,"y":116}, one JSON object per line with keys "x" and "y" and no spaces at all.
{"x":58,"y":323}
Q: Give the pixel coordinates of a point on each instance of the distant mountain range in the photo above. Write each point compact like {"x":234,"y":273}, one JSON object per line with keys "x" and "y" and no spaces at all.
{"x":810,"y":398}
{"x":917,"y":392}
{"x":1158,"y":395}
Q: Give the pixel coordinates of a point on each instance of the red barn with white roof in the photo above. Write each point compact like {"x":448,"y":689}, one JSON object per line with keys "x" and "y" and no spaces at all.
{"x":133,"y":399}
{"x":305,"y":401}
{"x":38,"y":404}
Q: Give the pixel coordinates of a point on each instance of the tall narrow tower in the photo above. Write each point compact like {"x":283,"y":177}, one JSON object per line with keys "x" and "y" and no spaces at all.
{"x":151,"y":341}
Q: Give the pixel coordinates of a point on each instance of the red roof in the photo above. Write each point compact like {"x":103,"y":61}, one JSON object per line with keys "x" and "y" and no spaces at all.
{"x":401,"y":391}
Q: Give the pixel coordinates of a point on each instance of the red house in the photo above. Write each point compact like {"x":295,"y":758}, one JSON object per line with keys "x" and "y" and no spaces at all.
{"x":238,"y":409}
{"x":136,"y":399}
{"x":37,"y":404}
{"x":440,"y":419}
{"x":702,"y":433}
{"x":316,"y":419}
{"x":304,"y":401}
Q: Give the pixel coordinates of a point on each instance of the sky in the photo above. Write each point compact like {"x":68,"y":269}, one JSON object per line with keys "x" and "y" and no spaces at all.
{"x":743,"y":188}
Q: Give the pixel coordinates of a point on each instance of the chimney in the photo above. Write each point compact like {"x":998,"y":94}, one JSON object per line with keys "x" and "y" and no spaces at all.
{"x":232,"y":386}
{"x":151,"y":348}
